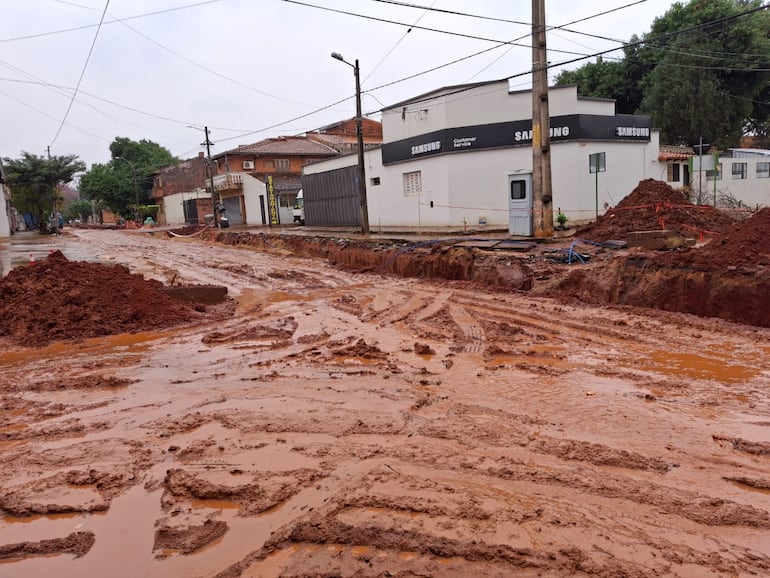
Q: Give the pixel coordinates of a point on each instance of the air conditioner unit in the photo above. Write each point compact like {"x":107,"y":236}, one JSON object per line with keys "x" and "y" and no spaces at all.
{"x":249,"y":165}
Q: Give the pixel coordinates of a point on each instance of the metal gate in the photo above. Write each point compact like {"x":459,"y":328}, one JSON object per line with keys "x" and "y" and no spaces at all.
{"x":190,"y":208}
{"x":520,"y":205}
{"x":233,"y":210}
{"x":331,"y":198}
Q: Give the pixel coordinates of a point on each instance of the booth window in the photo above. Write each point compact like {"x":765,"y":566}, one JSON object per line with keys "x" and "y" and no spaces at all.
{"x":518,"y":190}
{"x":763,"y":170}
{"x":716,"y":175}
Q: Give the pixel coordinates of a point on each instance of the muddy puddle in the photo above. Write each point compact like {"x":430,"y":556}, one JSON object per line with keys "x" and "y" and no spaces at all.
{"x":354,"y":424}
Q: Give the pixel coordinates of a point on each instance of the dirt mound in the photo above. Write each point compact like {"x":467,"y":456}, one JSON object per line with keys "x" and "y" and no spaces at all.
{"x":654,"y":205}
{"x":745,"y":245}
{"x":57,"y":299}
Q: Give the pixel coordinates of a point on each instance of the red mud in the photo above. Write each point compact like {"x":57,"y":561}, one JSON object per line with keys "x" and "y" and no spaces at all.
{"x":57,"y":299}
{"x":349,"y":421}
{"x":654,"y":205}
{"x":77,"y":543}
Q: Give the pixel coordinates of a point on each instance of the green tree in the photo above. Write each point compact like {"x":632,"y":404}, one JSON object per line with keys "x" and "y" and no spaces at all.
{"x":709,"y":78}
{"x":700,"y":71}
{"x":124,"y":183}
{"x":606,"y":80}
{"x":34,"y":182}
{"x":78,"y":210}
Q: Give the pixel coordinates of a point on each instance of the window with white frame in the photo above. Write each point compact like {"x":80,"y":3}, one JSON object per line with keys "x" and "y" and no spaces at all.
{"x":740,"y":170}
{"x":412,"y":183}
{"x":763,"y":170}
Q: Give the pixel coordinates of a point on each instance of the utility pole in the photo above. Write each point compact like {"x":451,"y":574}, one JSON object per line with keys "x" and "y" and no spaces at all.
{"x":364,"y":206}
{"x":208,"y":144}
{"x":363,"y":203}
{"x":542,"y":196}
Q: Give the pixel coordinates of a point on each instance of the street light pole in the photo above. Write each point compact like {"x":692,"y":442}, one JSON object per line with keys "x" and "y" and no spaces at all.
{"x":364,"y":206}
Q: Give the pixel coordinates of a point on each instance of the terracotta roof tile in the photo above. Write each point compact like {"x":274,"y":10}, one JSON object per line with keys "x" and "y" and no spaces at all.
{"x":284,"y":145}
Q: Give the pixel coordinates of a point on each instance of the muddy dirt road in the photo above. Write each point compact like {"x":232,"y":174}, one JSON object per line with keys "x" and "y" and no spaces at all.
{"x":344,"y":424}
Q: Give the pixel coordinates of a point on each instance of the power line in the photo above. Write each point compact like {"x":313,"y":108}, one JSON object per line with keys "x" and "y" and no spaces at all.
{"x":44,"y":113}
{"x":464,"y":89}
{"x":386,"y":21}
{"x":188,"y":60}
{"x":327,"y":107}
{"x":721,"y":20}
{"x":82,"y":74}
{"x":399,"y":41}
{"x":86,"y":26}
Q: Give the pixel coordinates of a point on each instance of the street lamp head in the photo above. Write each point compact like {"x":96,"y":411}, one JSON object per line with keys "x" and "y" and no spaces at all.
{"x":338,"y":56}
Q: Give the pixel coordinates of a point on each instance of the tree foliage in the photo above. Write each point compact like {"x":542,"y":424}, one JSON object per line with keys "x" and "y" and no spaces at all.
{"x":34,"y":181}
{"x":125,"y":182}
{"x":701,"y":71}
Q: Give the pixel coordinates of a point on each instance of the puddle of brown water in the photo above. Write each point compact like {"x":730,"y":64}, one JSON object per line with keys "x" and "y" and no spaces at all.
{"x":135,"y":342}
{"x":694,"y":366}
{"x":213,"y":504}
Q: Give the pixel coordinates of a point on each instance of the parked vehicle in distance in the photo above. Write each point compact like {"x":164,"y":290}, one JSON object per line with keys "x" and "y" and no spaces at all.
{"x":298,"y":212}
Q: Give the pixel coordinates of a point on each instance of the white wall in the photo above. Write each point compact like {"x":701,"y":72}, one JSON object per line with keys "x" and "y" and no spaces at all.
{"x":5,"y":225}
{"x":751,"y":191}
{"x":173,"y":207}
{"x":252,"y":189}
{"x":471,"y":186}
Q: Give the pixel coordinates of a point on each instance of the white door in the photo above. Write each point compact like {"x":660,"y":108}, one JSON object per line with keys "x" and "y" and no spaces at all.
{"x":520,"y":205}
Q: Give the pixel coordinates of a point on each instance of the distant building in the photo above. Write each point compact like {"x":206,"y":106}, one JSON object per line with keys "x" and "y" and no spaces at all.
{"x":7,"y":214}
{"x":181,"y":192}
{"x":462,"y":155}
{"x":343,"y":136}
{"x":735,"y":177}
{"x":242,"y":175}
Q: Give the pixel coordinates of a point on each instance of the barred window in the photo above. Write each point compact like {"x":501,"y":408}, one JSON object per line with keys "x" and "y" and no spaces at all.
{"x":412,"y":183}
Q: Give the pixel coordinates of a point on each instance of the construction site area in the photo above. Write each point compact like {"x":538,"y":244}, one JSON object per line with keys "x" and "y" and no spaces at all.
{"x":236,"y":403}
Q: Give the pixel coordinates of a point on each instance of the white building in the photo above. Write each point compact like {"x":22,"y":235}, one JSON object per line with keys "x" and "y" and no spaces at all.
{"x":6,"y":217}
{"x":453,"y":156}
{"x":730,"y":178}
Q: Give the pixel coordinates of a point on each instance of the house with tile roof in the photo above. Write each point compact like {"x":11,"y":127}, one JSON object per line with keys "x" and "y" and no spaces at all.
{"x":258,"y":183}
{"x":343,"y":136}
{"x":735,"y":177}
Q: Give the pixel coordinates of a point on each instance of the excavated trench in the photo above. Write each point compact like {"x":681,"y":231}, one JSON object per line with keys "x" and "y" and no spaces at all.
{"x":674,"y":282}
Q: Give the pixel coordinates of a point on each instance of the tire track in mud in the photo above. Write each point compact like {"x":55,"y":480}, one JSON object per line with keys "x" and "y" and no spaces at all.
{"x":430,"y":469}
{"x":439,"y":514}
{"x":475,"y":338}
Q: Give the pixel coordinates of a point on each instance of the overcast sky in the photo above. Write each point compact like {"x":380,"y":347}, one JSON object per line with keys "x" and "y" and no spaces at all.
{"x":249,"y":66}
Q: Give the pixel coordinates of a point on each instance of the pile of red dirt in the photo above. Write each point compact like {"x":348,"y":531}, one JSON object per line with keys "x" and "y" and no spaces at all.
{"x":654,"y":205}
{"x":58,"y":299}
{"x":744,"y":245}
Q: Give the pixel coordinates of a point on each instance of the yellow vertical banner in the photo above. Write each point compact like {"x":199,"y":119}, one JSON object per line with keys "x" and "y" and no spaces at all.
{"x":272,"y":202}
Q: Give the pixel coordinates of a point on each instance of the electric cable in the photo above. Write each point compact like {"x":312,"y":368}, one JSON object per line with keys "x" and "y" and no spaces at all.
{"x":82,"y":74}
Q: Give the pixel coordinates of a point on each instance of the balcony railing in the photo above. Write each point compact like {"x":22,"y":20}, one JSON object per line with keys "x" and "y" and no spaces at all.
{"x":228,"y":181}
